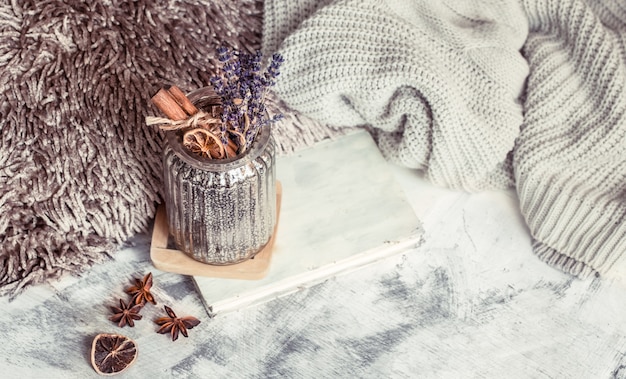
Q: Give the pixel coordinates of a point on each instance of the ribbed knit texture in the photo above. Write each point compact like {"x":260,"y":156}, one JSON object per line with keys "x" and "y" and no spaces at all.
{"x":570,"y":159}
{"x":368,"y":63}
{"x":479,"y":95}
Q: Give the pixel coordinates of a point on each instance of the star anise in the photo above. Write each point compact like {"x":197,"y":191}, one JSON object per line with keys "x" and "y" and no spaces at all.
{"x":141,"y":290}
{"x":126,"y":314}
{"x":173,"y":324}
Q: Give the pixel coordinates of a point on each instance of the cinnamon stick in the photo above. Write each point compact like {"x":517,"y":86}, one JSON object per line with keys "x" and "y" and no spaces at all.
{"x":182,"y":100}
{"x":168,"y":105}
{"x":231,"y":149}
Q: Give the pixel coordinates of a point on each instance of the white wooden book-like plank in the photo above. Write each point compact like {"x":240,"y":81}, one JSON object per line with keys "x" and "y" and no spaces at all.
{"x":341,"y":209}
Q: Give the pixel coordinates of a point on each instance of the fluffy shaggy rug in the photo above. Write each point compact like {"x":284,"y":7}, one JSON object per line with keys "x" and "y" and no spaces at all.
{"x":79,"y":171}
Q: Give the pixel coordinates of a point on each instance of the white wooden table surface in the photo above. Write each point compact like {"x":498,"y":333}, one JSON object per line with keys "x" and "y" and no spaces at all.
{"x":471,"y":301}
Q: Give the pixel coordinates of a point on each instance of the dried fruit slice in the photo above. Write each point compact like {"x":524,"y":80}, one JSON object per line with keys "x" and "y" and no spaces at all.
{"x":112,"y":353}
{"x":203,"y":142}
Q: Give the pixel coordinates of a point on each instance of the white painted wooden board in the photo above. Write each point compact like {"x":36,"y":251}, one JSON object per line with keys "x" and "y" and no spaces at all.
{"x":472,"y":301}
{"x":342,"y":208}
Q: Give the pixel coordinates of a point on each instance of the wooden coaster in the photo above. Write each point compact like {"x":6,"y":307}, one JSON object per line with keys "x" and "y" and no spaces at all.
{"x":172,"y":260}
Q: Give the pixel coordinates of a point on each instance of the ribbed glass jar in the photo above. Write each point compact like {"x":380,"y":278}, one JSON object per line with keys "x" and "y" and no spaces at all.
{"x":223,"y":211}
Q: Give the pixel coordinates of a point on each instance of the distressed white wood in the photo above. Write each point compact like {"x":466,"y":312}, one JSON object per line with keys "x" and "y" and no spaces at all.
{"x":471,"y":301}
{"x":341,"y":208}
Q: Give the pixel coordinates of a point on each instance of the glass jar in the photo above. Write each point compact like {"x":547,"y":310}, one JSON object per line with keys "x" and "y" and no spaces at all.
{"x":220,"y":211}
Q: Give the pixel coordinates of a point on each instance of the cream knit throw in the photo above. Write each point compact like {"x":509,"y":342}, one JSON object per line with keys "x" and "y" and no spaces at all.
{"x":479,"y":95}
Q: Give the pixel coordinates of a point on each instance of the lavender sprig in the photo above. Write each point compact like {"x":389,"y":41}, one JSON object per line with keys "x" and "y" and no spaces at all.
{"x":243,"y":85}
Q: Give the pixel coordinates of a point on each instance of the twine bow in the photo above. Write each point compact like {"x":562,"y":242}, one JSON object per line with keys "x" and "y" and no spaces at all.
{"x":199,"y":119}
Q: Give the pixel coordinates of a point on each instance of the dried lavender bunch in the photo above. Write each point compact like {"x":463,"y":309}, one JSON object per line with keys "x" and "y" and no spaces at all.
{"x":243,"y":85}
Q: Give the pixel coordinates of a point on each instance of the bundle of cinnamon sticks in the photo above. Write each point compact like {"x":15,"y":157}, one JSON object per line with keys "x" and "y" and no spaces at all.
{"x":204,"y":133}
{"x":174,"y":103}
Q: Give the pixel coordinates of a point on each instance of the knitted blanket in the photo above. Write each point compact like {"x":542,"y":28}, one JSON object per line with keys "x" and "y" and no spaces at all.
{"x":80,"y":173}
{"x":480,"y":95}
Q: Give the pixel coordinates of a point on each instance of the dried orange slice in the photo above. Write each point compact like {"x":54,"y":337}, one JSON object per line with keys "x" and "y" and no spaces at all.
{"x":112,"y":353}
{"x":203,"y":142}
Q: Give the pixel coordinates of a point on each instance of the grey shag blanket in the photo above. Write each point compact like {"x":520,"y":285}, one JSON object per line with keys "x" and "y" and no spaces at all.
{"x":80,"y":172}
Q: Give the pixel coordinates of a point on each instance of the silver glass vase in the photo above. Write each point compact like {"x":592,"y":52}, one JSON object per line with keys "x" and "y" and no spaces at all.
{"x":220,"y":211}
